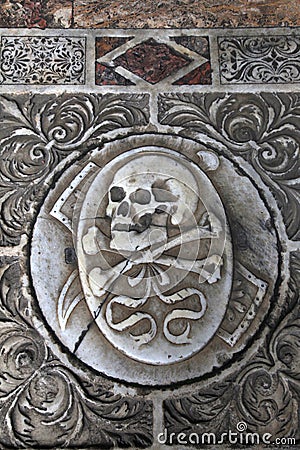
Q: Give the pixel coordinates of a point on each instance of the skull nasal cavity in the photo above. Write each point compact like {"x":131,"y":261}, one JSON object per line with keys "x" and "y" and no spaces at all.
{"x":141,"y":196}
{"x":123,"y":209}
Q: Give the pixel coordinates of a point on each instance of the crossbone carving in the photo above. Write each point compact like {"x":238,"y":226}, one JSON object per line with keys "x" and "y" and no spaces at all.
{"x":101,"y":281}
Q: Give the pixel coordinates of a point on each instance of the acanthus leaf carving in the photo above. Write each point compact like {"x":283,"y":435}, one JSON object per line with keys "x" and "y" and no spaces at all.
{"x":264,"y":395}
{"x":55,"y":409}
{"x":13,"y":305}
{"x":263,"y":129}
{"x":202,"y":412}
{"x":22,"y":353}
{"x":267,"y":402}
{"x":40,"y":131}
{"x":44,"y":403}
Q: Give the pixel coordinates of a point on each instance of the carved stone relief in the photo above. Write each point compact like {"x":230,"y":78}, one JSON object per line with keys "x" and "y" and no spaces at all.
{"x":38,"y":60}
{"x":155,"y":274}
{"x":149,"y":259}
{"x":260,"y":59}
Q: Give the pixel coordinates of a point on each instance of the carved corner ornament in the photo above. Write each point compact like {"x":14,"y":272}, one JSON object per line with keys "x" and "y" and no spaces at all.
{"x":148,"y":264}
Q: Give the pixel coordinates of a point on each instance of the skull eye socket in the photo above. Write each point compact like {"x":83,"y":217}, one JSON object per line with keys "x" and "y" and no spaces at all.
{"x":141,"y":196}
{"x":117,"y":194}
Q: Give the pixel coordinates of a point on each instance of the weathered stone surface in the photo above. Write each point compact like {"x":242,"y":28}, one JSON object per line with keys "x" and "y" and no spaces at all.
{"x":49,"y":403}
{"x":106,"y":44}
{"x":200,"y":75}
{"x":185,"y":14}
{"x":106,"y":76}
{"x":37,"y":135}
{"x":258,"y":400}
{"x":198,"y":44}
{"x":136,"y":14}
{"x":36,"y":13}
{"x":243,"y":120}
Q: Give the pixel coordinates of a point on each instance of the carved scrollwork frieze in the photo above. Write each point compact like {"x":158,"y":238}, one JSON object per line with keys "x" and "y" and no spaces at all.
{"x":39,"y":132}
{"x":261,"y":128}
{"x":43,"y":402}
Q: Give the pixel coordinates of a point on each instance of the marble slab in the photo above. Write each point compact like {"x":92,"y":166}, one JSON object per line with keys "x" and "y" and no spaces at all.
{"x":149,"y":238}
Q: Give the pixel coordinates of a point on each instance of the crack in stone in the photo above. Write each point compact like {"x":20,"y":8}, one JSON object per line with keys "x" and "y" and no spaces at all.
{"x":97,"y":311}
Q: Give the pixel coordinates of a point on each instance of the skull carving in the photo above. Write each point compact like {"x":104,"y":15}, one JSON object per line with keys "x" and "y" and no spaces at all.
{"x":144,"y":197}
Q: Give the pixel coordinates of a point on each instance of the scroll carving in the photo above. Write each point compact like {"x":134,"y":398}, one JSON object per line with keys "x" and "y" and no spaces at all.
{"x":262,"y":129}
{"x":42,"y":402}
{"x":39,"y":132}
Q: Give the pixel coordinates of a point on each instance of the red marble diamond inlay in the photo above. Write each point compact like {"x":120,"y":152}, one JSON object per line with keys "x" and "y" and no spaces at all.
{"x":152,"y":60}
{"x":200,"y":75}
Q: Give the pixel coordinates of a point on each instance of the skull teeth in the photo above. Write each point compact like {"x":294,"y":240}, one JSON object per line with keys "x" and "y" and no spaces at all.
{"x":140,"y":226}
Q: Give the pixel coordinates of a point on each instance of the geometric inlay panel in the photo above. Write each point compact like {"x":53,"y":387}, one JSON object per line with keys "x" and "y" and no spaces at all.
{"x":260,"y":59}
{"x":42,"y":60}
{"x":153,"y":60}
